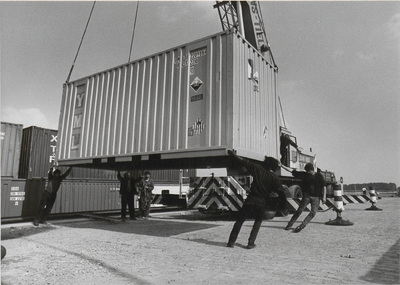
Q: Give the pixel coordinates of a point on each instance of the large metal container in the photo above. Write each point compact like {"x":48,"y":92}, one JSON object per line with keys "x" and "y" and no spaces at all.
{"x":182,"y":108}
{"x":83,"y":196}
{"x":20,"y":198}
{"x":12,"y":197}
{"x":11,"y":136}
{"x":165,"y":176}
{"x":38,"y":152}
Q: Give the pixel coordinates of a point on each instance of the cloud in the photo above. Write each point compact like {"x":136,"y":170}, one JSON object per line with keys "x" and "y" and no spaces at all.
{"x":291,"y":86}
{"x":166,"y":13}
{"x":28,"y":117}
{"x":171,"y":12}
{"x":393,"y":26}
{"x":338,"y":53}
{"x":367,"y":57}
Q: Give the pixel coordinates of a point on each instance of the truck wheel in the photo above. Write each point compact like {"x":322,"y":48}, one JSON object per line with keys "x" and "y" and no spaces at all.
{"x":287,"y":191}
{"x":3,"y":252}
{"x":329,"y":191}
{"x":295,"y":192}
{"x":285,"y":212}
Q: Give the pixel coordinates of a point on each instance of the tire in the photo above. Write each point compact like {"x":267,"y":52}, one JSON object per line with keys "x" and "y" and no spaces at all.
{"x":287,"y":191}
{"x":285,"y":212}
{"x":295,"y":192}
{"x":3,"y":252}
{"x":329,"y":191}
{"x":269,"y":215}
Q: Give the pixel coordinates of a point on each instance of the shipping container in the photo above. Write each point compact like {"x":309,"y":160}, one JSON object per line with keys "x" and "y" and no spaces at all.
{"x":85,"y":196}
{"x":11,"y":136}
{"x":20,"y":198}
{"x":38,"y":152}
{"x":182,"y":108}
{"x":12,"y":196}
{"x":164,"y":176}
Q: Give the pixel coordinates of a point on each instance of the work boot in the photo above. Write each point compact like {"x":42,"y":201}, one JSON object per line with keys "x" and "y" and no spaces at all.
{"x":299,"y":228}
{"x":288,"y":227}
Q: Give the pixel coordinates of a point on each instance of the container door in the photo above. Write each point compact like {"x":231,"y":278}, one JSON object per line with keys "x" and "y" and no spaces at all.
{"x":197,"y":62}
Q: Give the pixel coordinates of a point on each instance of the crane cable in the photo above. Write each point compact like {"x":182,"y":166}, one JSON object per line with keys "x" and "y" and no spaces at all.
{"x":73,"y":64}
{"x":283,"y":117}
{"x":133,"y":32}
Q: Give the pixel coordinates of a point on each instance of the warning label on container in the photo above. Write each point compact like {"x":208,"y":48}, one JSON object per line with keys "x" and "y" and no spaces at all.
{"x":193,"y":58}
{"x":17,"y":198}
{"x":196,"y":84}
{"x":196,"y":128}
{"x":17,"y":193}
{"x":196,"y":98}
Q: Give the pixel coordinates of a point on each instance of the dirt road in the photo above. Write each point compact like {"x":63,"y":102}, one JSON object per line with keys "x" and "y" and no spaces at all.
{"x":189,"y":248}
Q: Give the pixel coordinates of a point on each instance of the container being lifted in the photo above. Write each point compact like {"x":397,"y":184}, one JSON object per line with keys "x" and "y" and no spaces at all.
{"x":181,"y":108}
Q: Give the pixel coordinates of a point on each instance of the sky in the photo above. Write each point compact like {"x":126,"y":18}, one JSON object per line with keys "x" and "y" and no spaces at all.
{"x":338,"y":80}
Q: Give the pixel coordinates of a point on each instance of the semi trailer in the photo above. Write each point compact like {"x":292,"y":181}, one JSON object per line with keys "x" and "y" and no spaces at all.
{"x":184,"y":108}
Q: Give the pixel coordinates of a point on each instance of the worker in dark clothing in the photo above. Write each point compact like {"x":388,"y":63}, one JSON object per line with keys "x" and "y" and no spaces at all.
{"x":145,"y":186}
{"x":284,"y":148}
{"x":50,"y":194}
{"x":127,"y":193}
{"x":264,"y":183}
{"x":314,"y":189}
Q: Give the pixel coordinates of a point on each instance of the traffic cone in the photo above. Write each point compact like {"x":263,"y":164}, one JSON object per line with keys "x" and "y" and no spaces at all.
{"x":372,"y":195}
{"x":339,"y":208}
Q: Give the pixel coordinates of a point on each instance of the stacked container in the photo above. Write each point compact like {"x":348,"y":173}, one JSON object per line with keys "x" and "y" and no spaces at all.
{"x":38,"y":155}
{"x":11,"y":135}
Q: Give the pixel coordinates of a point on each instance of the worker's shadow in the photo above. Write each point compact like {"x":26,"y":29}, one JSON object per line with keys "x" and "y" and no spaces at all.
{"x":214,"y":243}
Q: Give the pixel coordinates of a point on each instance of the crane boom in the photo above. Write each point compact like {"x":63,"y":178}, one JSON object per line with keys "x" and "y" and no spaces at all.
{"x":246,"y":18}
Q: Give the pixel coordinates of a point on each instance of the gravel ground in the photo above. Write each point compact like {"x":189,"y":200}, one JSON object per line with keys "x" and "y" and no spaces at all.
{"x":190,"y":248}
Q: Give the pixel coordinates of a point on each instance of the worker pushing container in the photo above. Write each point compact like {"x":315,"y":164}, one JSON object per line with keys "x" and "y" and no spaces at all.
{"x":185,"y":107}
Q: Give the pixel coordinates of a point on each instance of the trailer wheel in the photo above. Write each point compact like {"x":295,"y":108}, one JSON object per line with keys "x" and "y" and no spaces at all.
{"x":295,"y":192}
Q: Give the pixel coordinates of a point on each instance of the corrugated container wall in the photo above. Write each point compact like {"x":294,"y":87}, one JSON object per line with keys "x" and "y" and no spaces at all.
{"x":11,"y":136}
{"x":217,"y":92}
{"x":164,"y":176}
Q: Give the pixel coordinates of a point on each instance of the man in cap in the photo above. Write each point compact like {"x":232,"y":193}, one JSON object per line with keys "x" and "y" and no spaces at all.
{"x":145,"y":186}
{"x":127,"y":193}
{"x":264,"y":183}
{"x":50,"y":194}
{"x":314,"y":189}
